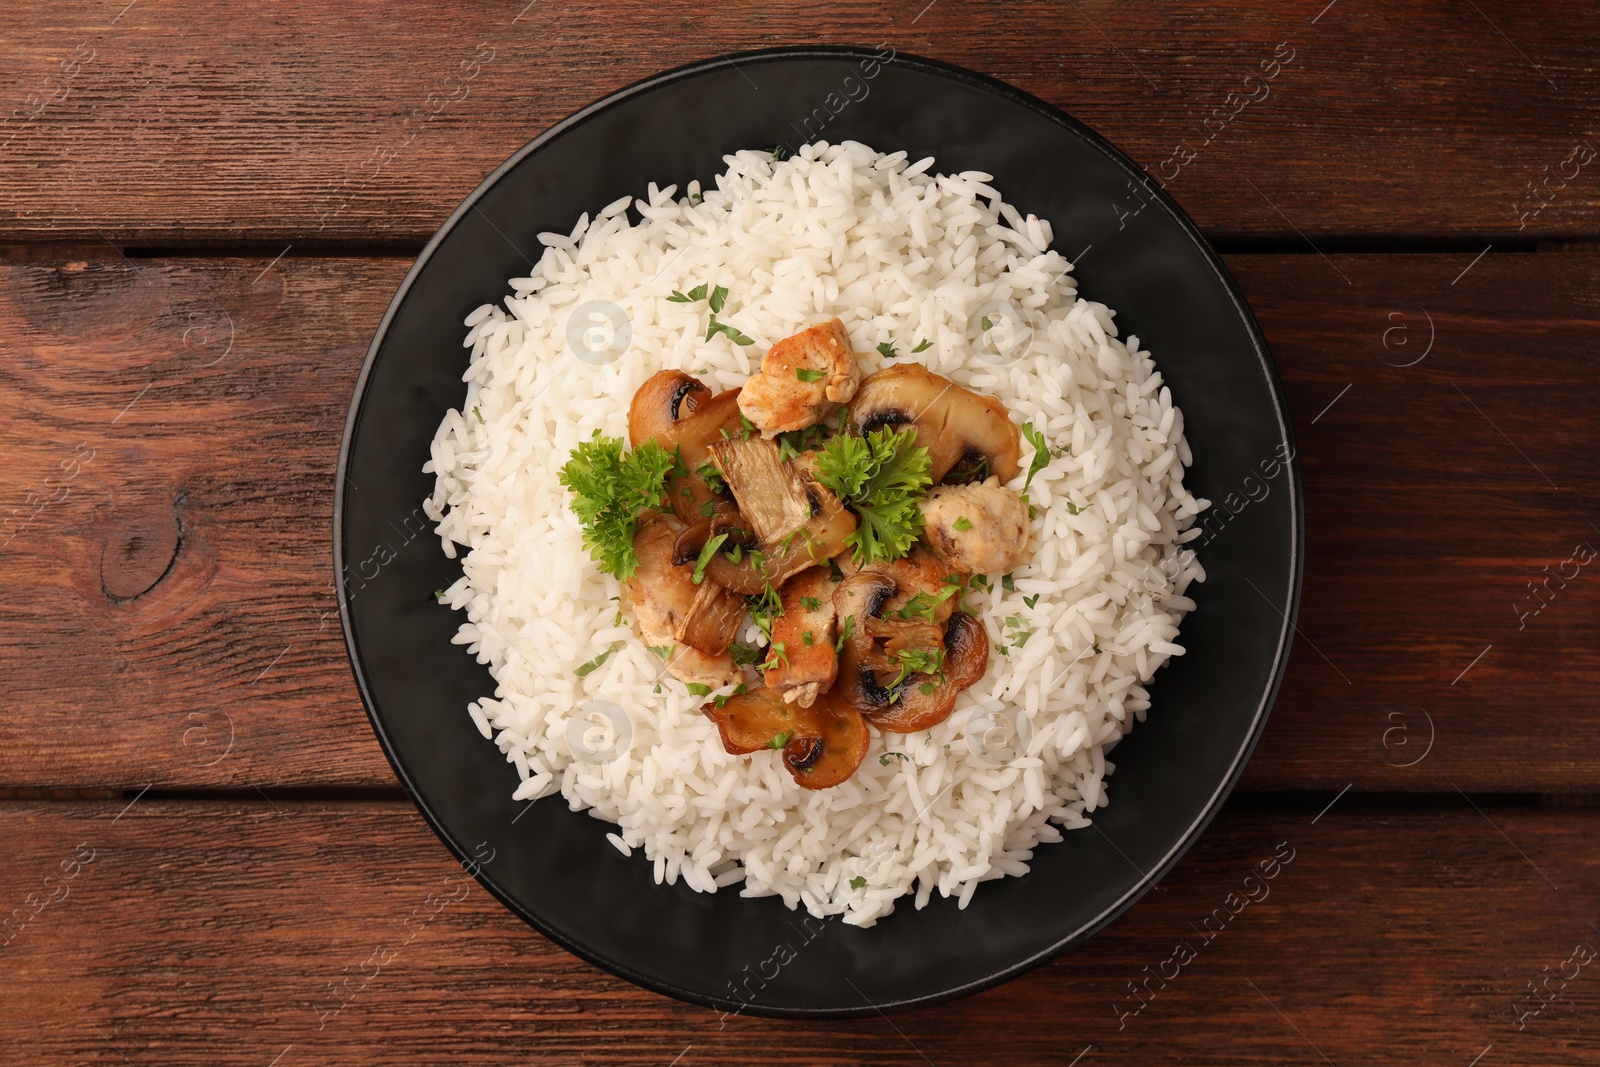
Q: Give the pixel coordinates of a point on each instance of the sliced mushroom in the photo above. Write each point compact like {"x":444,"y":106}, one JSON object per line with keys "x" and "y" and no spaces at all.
{"x":968,"y":435}
{"x":822,"y":745}
{"x":926,"y":700}
{"x":802,"y":380}
{"x":677,"y":411}
{"x":862,"y":602}
{"x":796,"y":523}
{"x":804,"y":663}
{"x":977,"y":529}
{"x":670,"y":606}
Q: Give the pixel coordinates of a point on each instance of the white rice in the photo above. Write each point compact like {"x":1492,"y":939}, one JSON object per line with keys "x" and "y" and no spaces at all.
{"x":897,"y":254}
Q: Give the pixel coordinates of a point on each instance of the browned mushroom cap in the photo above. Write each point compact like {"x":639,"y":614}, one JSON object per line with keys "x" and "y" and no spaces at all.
{"x":662,"y":402}
{"x":966,"y":657}
{"x":822,"y":745}
{"x":704,"y":616}
{"x":905,"y":708}
{"x":677,"y":411}
{"x":968,"y":435}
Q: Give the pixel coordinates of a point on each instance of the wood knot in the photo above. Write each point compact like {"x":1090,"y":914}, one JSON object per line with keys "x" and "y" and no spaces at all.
{"x":141,"y":549}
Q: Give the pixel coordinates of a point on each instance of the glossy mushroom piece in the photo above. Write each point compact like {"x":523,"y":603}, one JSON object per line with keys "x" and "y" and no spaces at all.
{"x":919,"y":701}
{"x":968,"y":435}
{"x":676,"y":410}
{"x":822,"y":745}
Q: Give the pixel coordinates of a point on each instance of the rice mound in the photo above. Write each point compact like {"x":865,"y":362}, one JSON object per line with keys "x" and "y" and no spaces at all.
{"x":901,"y":256}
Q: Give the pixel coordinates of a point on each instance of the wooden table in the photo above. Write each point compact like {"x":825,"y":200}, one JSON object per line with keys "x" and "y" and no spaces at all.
{"x":204,"y":210}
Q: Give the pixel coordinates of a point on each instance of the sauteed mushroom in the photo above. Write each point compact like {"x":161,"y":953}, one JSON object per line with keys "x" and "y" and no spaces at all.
{"x":920,"y":700}
{"x":822,"y":745}
{"x":673,"y":609}
{"x":676,"y":410}
{"x":968,"y":436}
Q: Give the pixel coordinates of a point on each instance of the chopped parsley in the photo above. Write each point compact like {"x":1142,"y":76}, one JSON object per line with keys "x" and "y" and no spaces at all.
{"x":810,"y":603}
{"x":883,"y":760}
{"x":777,"y":656}
{"x":718,"y":298}
{"x":882,"y":477}
{"x":661,"y":650}
{"x":610,"y":490}
{"x":697,"y":293}
{"x":780,"y":740}
{"x":962,"y":524}
{"x":922,"y":346}
{"x":438,"y":594}
{"x":1009,"y":583}
{"x":478,"y":413}
{"x":713,"y":477}
{"x":744,"y":655}
{"x":1031,"y":600}
{"x":698,"y":689}
{"x":987,"y":325}
{"x":1072,"y":509}
{"x":917,"y":661}
{"x":845,"y":633}
{"x":886,"y":350}
{"x":925,"y":605}
{"x":714,"y":327}
{"x":808,"y":639}
{"x":1097,"y":650}
{"x":806,"y":374}
{"x":926,"y":688}
{"x":586,"y":669}
{"x":793,"y":442}
{"x":1043,"y":453}
{"x":858,"y":882}
{"x":738,"y":690}
{"x":766,"y":607}
{"x":707,"y":550}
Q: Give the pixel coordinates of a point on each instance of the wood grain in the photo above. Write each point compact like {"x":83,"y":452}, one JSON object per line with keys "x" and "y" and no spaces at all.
{"x":161,"y":123}
{"x":171,"y":430}
{"x":213,"y":933}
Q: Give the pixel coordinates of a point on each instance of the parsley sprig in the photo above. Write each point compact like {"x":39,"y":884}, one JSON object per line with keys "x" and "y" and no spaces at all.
{"x":881,"y":477}
{"x":611,"y":490}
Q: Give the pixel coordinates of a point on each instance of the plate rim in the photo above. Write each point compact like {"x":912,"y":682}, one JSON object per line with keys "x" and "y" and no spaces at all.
{"x":1290,"y":612}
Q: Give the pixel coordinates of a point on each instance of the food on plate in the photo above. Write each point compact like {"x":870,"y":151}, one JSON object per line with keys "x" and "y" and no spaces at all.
{"x":836,"y":574}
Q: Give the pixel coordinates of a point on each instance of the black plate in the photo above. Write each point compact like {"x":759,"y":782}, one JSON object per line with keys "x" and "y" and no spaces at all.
{"x":553,"y":867}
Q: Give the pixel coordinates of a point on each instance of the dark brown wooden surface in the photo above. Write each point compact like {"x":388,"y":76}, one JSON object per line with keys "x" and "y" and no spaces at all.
{"x":179,"y":585}
{"x":1406,"y":211}
{"x":288,"y":121}
{"x":214,"y":933}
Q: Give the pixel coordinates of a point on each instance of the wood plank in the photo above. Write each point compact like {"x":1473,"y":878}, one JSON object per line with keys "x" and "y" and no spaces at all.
{"x":296,"y":121}
{"x":171,"y":430}
{"x":186,"y":921}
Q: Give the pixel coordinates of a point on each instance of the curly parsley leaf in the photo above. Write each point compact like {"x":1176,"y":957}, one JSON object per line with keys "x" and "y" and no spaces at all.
{"x":611,"y":489}
{"x":881,"y":477}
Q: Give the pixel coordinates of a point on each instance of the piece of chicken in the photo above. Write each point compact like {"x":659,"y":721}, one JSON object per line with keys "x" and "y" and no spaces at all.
{"x":808,"y":663}
{"x":666,"y":600}
{"x":977,"y":529}
{"x":802,"y":379}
